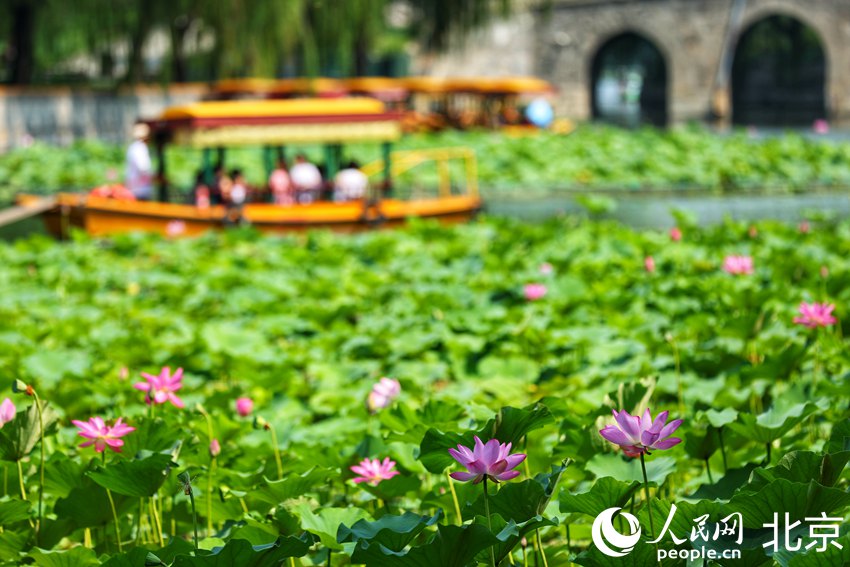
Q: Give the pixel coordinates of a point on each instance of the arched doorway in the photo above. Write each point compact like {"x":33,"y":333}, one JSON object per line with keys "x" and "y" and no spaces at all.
{"x":778,"y":74}
{"x":628,"y":82}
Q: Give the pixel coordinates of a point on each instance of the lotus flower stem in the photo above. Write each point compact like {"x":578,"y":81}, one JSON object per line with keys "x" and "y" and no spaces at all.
{"x":454,"y":499}
{"x":648,"y":500}
{"x":489,"y":525}
{"x":817,"y":366}
{"x":722,"y":449}
{"x":138,"y":538}
{"x":194,"y":516}
{"x":114,"y":513}
{"x":708,"y":470}
{"x":208,"y":419}
{"x":115,"y":520}
{"x":23,"y":488}
{"x":209,"y":498}
{"x":276,"y":450}
{"x":153,"y":518}
{"x":41,"y":465}
{"x":21,"y":480}
{"x":816,"y":372}
{"x":540,"y":547}
{"x":569,"y":539}
{"x":156,"y":525}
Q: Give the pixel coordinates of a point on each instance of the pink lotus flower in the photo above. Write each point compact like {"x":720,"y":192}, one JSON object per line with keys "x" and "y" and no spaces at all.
{"x":814,"y":315}
{"x":675,"y":234}
{"x":7,"y":412}
{"x":492,"y":460}
{"x":649,"y":264}
{"x":824,"y":272}
{"x":374,"y":471}
{"x":124,"y":373}
{"x":383,"y":393}
{"x":804,"y":227}
{"x":637,"y":435}
{"x":244,"y":406}
{"x":546,"y":269}
{"x":215,"y":448}
{"x":160,"y":389}
{"x":753,"y":232}
{"x":534,"y":291}
{"x":102,"y":435}
{"x":738,"y":265}
{"x":820,"y":126}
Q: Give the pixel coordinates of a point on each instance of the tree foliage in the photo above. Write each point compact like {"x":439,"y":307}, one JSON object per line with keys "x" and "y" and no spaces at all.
{"x":58,"y":41}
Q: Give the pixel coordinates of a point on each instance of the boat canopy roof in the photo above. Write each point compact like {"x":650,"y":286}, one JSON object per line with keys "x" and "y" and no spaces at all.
{"x":325,"y":87}
{"x":478,"y":85}
{"x":318,"y":86}
{"x":240,"y":86}
{"x":277,"y":122}
{"x":434,"y":85}
{"x":515,"y":85}
{"x":383,"y":88}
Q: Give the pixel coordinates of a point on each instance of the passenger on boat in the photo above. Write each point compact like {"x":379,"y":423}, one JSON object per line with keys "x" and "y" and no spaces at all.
{"x":223,"y":185}
{"x":139,"y":171}
{"x":201,"y":192}
{"x":238,"y":194}
{"x":215,"y":189}
{"x":510,"y":116}
{"x":306,"y":179}
{"x":350,"y":183}
{"x":280,"y":185}
{"x":235,"y":194}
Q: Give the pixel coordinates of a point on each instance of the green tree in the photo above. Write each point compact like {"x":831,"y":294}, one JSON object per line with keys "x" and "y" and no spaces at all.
{"x":251,"y":37}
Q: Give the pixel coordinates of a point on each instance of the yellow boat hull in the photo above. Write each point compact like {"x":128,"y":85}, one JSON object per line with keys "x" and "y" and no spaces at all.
{"x":101,"y":216}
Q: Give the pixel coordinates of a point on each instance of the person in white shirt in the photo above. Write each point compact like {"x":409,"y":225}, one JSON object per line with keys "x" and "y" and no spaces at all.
{"x":139,"y":173}
{"x":306,"y":180}
{"x":239,"y":189}
{"x":350,"y":183}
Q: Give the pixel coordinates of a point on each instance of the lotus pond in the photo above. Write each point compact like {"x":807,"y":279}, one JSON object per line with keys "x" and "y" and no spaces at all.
{"x":300,"y":358}
{"x":592,"y":157}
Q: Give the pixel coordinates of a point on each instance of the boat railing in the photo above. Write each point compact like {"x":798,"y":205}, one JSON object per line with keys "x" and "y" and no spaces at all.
{"x":403,"y":161}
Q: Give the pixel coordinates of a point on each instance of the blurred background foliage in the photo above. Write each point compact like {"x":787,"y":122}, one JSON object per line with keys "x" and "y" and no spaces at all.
{"x":130,"y":41}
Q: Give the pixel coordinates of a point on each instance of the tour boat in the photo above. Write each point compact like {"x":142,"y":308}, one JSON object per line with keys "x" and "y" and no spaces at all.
{"x":277,"y":127}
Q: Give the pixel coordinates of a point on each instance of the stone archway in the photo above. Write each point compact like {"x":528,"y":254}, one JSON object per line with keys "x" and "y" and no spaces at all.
{"x":628,"y":81}
{"x":779,"y":74}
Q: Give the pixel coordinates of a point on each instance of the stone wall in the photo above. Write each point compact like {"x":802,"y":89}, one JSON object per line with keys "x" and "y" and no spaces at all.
{"x":561,"y":40}
{"x":62,"y":115}
{"x":690,"y":35}
{"x":505,"y":47}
